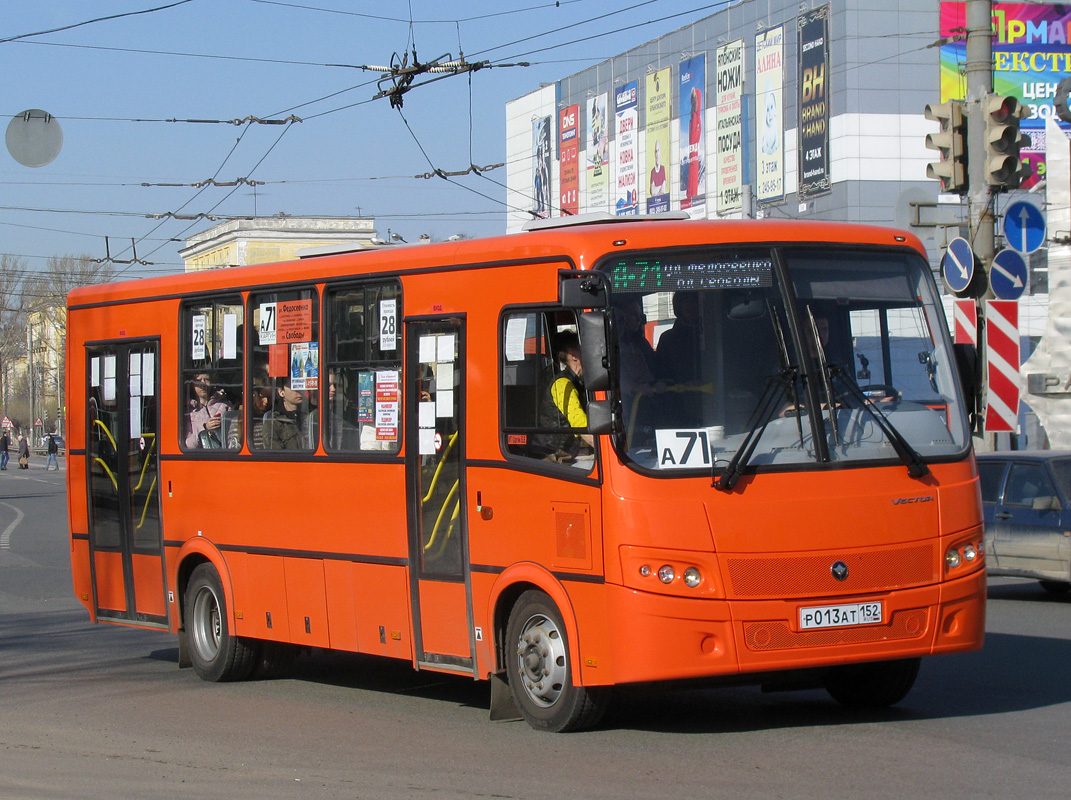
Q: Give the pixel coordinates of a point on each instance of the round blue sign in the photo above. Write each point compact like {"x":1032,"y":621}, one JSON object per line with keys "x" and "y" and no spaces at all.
{"x":958,"y":264}
{"x":1007,"y":275}
{"x":1024,"y":227}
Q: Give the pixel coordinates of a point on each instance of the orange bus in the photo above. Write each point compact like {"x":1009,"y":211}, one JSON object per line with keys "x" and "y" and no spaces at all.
{"x":584,"y":456}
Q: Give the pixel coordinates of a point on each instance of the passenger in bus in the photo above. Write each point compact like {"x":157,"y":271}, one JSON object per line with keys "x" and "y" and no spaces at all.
{"x":679,"y":347}
{"x":565,"y":404}
{"x":679,"y":362}
{"x":288,"y":426}
{"x":205,"y":417}
{"x":261,"y":404}
{"x":637,"y":364}
{"x":341,"y":432}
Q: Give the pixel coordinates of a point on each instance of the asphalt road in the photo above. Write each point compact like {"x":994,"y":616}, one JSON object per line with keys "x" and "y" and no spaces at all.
{"x":100,"y":711}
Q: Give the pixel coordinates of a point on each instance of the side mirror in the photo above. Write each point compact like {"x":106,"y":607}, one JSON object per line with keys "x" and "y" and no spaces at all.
{"x":600,"y":417}
{"x":583,"y":289}
{"x":593,"y":350}
{"x":967,"y":365}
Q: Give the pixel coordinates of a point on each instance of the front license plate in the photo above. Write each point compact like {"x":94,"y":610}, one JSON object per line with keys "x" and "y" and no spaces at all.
{"x":840,"y":616}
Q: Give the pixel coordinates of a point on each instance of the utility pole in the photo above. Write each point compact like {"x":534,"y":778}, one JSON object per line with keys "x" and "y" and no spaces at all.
{"x":979,"y":18}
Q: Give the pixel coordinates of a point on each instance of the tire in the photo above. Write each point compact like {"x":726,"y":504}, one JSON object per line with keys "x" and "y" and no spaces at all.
{"x":538,"y":669}
{"x":275,"y":660}
{"x":875,"y":685}
{"x":1055,"y":587}
{"x":216,"y":654}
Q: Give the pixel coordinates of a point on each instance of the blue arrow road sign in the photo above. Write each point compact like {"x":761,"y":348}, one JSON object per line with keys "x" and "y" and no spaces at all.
{"x":1007,"y":275}
{"x":1024,"y":227}
{"x":958,"y":264}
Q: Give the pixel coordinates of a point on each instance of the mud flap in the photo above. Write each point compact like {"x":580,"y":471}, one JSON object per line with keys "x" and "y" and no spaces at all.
{"x":503,"y":708}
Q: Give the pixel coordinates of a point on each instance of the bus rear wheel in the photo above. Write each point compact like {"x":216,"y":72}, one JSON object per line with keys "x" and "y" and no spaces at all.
{"x":216,"y":654}
{"x":539,"y":673}
{"x":875,"y":685}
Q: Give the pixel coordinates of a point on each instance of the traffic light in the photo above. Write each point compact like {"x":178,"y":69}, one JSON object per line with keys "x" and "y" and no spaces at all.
{"x":951,"y":170}
{"x":1004,"y":168}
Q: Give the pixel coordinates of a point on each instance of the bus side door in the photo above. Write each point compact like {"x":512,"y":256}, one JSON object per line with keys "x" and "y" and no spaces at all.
{"x":125,"y":534}
{"x":440,"y":582}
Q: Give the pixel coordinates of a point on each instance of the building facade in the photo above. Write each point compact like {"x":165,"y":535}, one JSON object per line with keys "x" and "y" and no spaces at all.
{"x":805,"y":110}
{"x":261,"y":240}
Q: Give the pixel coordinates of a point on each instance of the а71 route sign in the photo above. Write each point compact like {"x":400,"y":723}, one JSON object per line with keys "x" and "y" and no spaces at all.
{"x":1024,"y":227}
{"x":958,"y":264}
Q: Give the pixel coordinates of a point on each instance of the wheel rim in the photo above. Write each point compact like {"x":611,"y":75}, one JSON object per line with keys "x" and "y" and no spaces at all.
{"x":207,"y":625}
{"x":541,"y":660}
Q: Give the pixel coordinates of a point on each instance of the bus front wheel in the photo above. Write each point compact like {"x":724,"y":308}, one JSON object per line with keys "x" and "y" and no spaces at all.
{"x":875,"y":685}
{"x":538,"y":669}
{"x":216,"y":654}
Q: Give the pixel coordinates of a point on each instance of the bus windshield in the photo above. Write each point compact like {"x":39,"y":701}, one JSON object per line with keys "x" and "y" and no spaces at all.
{"x":782,"y":355}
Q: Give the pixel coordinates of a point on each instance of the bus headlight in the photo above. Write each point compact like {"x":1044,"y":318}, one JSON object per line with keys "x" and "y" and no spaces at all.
{"x":969,"y":553}
{"x":666,"y":574}
{"x":692,"y":577}
{"x":952,"y":558}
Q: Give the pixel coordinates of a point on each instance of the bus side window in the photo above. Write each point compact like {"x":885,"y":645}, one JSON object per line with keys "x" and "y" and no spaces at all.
{"x":287,"y":326}
{"x":211,"y":385}
{"x":362,"y":351}
{"x":530,"y":369}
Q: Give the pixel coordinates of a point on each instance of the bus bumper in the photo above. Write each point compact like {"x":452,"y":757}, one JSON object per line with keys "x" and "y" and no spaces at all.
{"x":659,"y":637}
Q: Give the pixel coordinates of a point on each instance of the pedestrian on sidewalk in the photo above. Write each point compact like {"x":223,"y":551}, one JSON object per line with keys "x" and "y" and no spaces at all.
{"x":52,"y":448}
{"x":5,"y":443}
{"x":24,"y":452}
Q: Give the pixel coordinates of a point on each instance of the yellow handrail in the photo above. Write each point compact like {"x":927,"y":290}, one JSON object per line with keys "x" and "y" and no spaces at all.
{"x":439,"y":466}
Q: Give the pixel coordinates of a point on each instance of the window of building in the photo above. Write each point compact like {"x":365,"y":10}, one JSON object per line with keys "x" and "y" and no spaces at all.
{"x":363,"y":362}
{"x":544,"y":404}
{"x":285,"y":370}
{"x":212,"y":344}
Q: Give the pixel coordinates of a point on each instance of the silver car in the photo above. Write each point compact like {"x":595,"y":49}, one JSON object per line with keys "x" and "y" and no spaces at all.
{"x":1027,"y":500}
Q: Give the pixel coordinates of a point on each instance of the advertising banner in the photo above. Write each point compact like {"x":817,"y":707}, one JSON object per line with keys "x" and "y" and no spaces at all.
{"x":626,"y":105}
{"x":813,"y":146}
{"x":729,"y":127}
{"x":1030,"y":57}
{"x":541,"y":167}
{"x":568,"y":165}
{"x":769,"y":80}
{"x":693,"y":81}
{"x":658,"y":117}
{"x":598,"y":154}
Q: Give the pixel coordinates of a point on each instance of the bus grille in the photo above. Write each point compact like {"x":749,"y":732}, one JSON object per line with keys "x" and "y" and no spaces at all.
{"x":779,"y":636}
{"x":811,"y":576}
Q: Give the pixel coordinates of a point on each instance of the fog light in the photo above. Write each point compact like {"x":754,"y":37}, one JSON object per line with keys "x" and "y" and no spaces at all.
{"x":692,"y":577}
{"x":969,"y":553}
{"x":952,"y":558}
{"x":666,"y":574}
{"x":645,"y":570}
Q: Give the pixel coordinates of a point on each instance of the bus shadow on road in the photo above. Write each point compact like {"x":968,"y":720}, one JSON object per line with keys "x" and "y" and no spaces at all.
{"x":1012,"y":673}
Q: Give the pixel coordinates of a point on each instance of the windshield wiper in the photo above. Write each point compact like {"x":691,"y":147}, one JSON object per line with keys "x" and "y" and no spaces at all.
{"x":787,"y":379}
{"x":916,"y":467}
{"x":784,"y":380}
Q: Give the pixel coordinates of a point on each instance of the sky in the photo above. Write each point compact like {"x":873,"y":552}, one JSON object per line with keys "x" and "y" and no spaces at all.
{"x":124,"y":78}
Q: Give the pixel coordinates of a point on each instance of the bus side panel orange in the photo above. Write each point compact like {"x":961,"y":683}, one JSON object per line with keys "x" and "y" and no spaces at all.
{"x":306,"y":602}
{"x":442,"y":631}
{"x":381,"y":603}
{"x":341,"y":613}
{"x":260,"y":596}
{"x":111,"y":592}
{"x":149,"y":586}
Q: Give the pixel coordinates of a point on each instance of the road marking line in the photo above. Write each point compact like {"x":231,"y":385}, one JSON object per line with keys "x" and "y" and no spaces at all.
{"x":5,"y":537}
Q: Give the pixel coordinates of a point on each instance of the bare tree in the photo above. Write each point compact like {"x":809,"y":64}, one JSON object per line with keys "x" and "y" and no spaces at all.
{"x":12,"y":323}
{"x":45,"y":308}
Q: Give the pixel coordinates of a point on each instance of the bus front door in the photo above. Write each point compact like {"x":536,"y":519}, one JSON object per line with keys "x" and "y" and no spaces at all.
{"x":125,"y":536}
{"x":435,"y":466}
